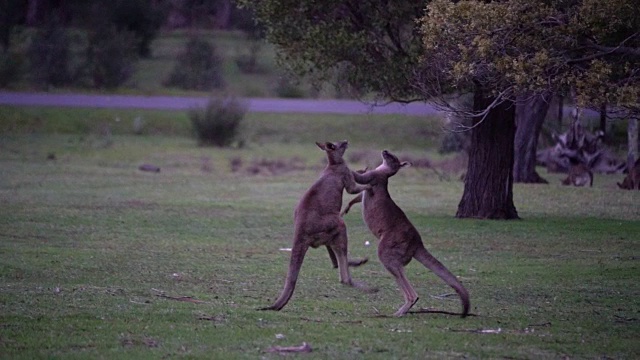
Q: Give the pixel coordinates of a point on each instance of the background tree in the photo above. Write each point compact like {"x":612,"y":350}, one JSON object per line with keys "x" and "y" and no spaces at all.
{"x":379,"y":46}
{"x":527,"y":50}
{"x":11,"y":14}
{"x":506,"y":53}
{"x":49,"y":55}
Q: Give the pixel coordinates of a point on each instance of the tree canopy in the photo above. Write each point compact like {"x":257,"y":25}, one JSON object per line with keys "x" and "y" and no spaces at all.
{"x":406,"y":50}
{"x":522,"y":46}
{"x":370,"y":45}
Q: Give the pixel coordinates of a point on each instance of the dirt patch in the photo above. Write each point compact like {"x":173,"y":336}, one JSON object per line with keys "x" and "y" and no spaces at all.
{"x":268,"y":167}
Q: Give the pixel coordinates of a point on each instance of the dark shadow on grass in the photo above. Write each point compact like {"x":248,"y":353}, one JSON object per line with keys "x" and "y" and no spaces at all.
{"x":425,"y":311}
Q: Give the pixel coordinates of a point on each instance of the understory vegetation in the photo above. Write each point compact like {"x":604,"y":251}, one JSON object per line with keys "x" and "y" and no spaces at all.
{"x":101,"y":259}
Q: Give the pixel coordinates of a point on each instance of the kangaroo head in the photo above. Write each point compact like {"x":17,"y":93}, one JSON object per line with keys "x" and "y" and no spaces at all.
{"x":391,"y":164}
{"x":334,"y":151}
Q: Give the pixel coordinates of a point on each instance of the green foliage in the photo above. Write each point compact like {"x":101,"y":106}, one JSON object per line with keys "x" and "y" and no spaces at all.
{"x":521,"y":46}
{"x":287,"y":88}
{"x":111,"y":56}
{"x":218,"y":124}
{"x":140,"y":17}
{"x":49,"y":56}
{"x":11,"y":68}
{"x":374,"y":43}
{"x":198,"y":67}
{"x":10,"y":15}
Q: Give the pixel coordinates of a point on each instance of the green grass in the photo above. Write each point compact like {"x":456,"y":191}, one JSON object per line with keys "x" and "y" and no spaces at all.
{"x":94,"y":252}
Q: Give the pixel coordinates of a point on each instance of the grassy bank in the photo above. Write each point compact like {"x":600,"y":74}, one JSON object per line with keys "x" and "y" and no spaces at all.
{"x":101,"y":260}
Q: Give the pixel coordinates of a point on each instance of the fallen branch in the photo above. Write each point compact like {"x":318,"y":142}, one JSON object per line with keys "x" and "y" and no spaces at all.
{"x":304,"y":348}
{"x":177,"y":298}
{"x":479,"y":331}
{"x":333,"y":322}
{"x":433,"y":311}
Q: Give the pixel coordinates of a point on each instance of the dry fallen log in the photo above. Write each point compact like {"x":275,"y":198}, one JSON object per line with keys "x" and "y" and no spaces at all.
{"x":304,"y":348}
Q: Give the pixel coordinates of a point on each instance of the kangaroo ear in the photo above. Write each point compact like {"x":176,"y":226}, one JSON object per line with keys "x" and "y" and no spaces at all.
{"x":405,"y":163}
{"x":321,"y":146}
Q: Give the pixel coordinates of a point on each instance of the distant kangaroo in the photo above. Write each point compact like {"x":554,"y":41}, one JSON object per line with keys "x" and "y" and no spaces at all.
{"x":579,"y":175}
{"x":632,"y":180}
{"x":317,"y":221}
{"x":399,"y":239}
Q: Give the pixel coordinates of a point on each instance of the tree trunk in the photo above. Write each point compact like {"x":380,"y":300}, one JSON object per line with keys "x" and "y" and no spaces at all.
{"x":603,"y":121}
{"x":560,"y":112}
{"x":32,"y":12}
{"x":488,"y":188}
{"x":530,"y":115}
{"x":632,"y":140}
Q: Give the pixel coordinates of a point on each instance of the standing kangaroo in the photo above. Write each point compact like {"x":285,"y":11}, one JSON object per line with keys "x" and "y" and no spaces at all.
{"x":317,"y":221}
{"x":399,"y":239}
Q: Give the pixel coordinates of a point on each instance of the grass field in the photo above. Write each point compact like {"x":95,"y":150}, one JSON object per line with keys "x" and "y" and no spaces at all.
{"x":101,"y":260}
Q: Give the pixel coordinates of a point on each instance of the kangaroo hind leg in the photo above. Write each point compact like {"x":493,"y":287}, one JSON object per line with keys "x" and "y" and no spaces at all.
{"x":410,"y":295}
{"x":397,"y":270}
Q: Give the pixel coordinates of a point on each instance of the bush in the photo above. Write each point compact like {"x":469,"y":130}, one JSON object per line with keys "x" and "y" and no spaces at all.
{"x":49,"y":55}
{"x":111,"y":56}
{"x":287,"y":89}
{"x":218,"y":124}
{"x":197,"y":68}
{"x":141,"y":18}
{"x":10,"y":68}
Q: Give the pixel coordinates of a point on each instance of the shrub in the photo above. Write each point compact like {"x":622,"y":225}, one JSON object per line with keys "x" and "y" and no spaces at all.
{"x":287,"y":89}
{"x":111,"y":56}
{"x":218,"y":124}
{"x":197,"y":68}
{"x":49,"y":57}
{"x":10,"y":68}
{"x":141,"y":18}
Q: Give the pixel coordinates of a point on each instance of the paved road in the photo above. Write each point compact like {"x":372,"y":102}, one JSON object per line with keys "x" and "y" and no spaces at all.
{"x":183,"y":103}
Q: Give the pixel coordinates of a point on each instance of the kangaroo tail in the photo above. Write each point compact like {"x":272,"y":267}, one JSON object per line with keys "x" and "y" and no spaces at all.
{"x":295,"y":263}
{"x":424,"y":257}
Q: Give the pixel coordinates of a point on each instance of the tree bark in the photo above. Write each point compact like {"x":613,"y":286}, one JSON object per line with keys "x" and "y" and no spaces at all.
{"x":632,"y":137}
{"x":488,"y":188}
{"x":530,"y":114}
{"x":603,"y":121}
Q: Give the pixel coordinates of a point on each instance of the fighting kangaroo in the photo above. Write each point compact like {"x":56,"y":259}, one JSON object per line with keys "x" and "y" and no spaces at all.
{"x":399,"y":239}
{"x":317,"y":221}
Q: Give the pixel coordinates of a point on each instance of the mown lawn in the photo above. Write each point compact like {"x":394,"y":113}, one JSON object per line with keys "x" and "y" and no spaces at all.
{"x":101,"y":260}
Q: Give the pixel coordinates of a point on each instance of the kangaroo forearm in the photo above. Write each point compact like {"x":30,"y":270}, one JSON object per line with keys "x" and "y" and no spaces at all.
{"x":353,"y":201}
{"x":356,"y":188}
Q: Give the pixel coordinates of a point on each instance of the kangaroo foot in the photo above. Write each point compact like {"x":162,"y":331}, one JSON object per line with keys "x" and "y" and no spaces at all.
{"x":405,"y":308}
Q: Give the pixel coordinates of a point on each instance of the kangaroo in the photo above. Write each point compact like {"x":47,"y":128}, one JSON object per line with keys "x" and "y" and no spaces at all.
{"x":632,"y":180}
{"x":399,"y":239}
{"x":579,"y":174}
{"x":317,"y":221}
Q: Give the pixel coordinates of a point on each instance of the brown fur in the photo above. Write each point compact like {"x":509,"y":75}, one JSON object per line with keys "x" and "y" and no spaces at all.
{"x":632,"y":180}
{"x":317,"y":221}
{"x":399,"y":240}
{"x":579,"y":175}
